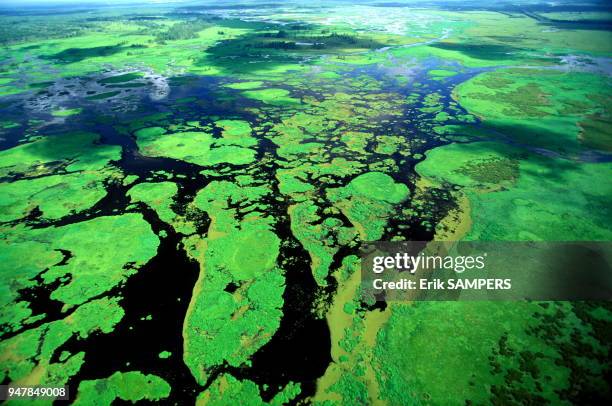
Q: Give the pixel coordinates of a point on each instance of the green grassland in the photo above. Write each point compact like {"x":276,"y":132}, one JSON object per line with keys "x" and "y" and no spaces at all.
{"x":195,"y":184}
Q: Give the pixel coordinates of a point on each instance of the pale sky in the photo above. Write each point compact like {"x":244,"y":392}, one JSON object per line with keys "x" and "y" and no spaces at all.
{"x":108,"y":2}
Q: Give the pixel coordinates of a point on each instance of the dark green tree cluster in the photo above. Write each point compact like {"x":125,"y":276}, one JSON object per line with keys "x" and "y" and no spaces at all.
{"x":183,"y":30}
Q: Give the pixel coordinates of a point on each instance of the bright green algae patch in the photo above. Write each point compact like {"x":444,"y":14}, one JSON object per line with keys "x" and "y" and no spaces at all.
{"x":227,"y":390}
{"x":191,"y":146}
{"x":55,"y":196}
{"x":27,"y":358}
{"x":130,"y":386}
{"x":245,"y":85}
{"x":280,"y":97}
{"x":87,"y":273}
{"x":229,"y":327}
{"x":234,"y":128}
{"x":159,"y":196}
{"x":74,"y":151}
{"x":66,"y":112}
{"x":93,"y":272}
{"x":437,"y":73}
{"x":164,"y":354}
{"x":378,"y":186}
{"x":236,"y":132}
{"x":474,"y":164}
{"x":88,"y":259}
{"x":368,"y":200}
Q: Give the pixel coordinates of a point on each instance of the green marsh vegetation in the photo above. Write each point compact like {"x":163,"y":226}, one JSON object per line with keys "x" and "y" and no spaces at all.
{"x":184,"y":190}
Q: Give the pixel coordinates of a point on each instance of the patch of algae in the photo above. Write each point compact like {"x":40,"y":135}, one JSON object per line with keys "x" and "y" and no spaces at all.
{"x":240,"y":249}
{"x":79,"y":151}
{"x":441,"y":73}
{"x":26,"y":359}
{"x":236,"y":132}
{"x":319,"y":237}
{"x":55,"y":196}
{"x":20,"y":262}
{"x":86,"y":271}
{"x":66,"y":112}
{"x":245,"y":85}
{"x":368,"y":201}
{"x":356,"y":141}
{"x":190,"y":146}
{"x":228,"y":390}
{"x":273,"y":96}
{"x":160,"y":197}
{"x":164,"y":354}
{"x":130,"y":386}
{"x":388,"y":145}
